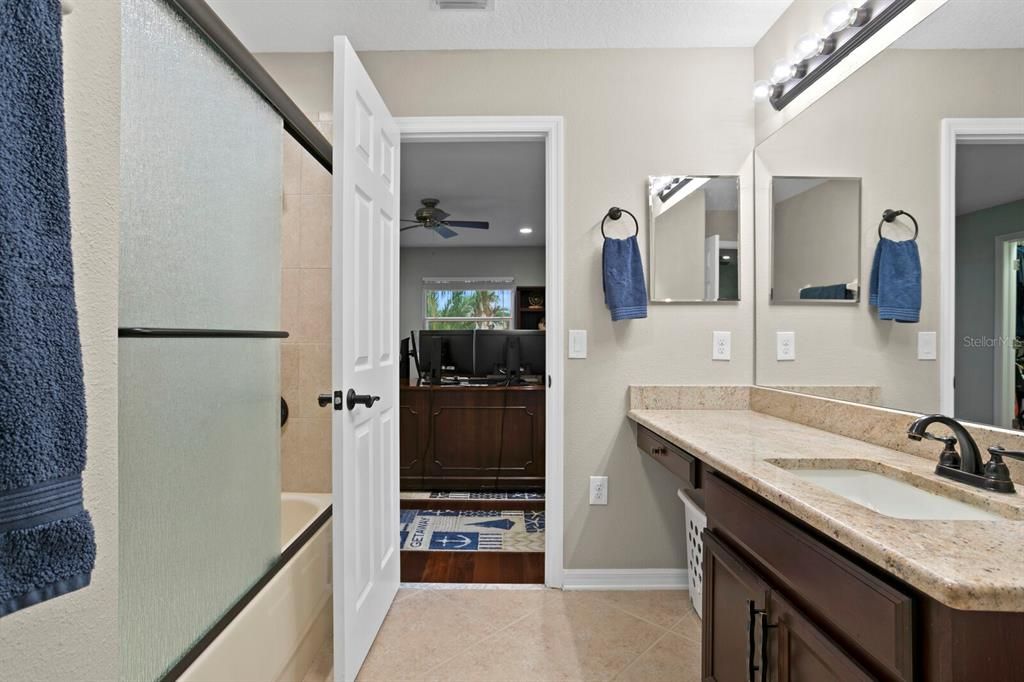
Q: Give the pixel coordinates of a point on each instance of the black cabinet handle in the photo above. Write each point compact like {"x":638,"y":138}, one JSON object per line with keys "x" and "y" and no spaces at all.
{"x":365,"y":399}
{"x":751,"y":668}
{"x":765,"y":627}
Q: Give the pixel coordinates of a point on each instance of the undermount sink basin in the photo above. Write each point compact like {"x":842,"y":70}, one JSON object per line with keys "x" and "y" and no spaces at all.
{"x":891,"y":497}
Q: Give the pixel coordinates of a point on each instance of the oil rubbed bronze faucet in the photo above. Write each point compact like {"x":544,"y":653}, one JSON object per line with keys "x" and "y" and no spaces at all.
{"x":965,"y":466}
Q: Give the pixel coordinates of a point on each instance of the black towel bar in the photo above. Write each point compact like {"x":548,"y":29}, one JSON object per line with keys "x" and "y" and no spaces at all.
{"x":615,"y":213}
{"x":889,"y":215}
{"x":173,"y":333}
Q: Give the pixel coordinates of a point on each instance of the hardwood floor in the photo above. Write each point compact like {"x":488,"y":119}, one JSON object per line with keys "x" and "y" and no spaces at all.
{"x":473,"y":567}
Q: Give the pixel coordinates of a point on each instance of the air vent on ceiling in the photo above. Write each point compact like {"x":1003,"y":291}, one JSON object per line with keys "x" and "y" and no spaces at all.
{"x":462,"y":4}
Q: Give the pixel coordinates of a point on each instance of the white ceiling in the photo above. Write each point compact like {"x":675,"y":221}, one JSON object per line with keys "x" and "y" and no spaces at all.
{"x":969,"y":25}
{"x":500,"y":182}
{"x":310,"y":25}
{"x":988,"y":175}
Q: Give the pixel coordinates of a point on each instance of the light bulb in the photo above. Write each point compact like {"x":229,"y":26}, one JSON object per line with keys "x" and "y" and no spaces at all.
{"x":525,"y":230}
{"x":762,"y":90}
{"x":838,"y":17}
{"x":806,"y":46}
{"x":781,"y":71}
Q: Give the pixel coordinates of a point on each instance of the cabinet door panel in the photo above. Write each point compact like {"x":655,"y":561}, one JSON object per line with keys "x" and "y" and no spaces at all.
{"x":801,"y":652}
{"x":730,"y":584}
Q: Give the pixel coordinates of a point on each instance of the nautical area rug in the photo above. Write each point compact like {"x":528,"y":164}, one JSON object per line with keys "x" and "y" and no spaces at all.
{"x":472,"y":531}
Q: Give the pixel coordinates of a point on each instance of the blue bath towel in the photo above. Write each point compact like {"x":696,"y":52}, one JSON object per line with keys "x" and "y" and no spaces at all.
{"x":625,"y":291}
{"x":896,"y":281}
{"x":47,"y":545}
{"x":830,"y":292}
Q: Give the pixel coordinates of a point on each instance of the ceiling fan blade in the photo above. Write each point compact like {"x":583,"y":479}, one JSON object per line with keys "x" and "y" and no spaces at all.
{"x":445,"y":232}
{"x":472,"y":224}
{"x":439,"y":215}
{"x":409,"y":220}
{"x":411,"y":227}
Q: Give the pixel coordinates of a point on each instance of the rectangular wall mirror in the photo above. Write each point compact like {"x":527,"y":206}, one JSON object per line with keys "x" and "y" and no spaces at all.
{"x":933,"y":126}
{"x":815,"y":239}
{"x":694,"y":238}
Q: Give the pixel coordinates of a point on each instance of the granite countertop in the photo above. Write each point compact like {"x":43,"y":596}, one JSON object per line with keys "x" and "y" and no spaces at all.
{"x":969,"y":565}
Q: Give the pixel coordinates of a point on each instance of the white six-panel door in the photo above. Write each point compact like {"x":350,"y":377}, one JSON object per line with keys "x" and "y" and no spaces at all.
{"x":364,"y":310}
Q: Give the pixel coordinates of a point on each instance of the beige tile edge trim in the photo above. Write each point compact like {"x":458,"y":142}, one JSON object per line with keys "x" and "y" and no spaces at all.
{"x":876,"y":425}
{"x":689,"y":397}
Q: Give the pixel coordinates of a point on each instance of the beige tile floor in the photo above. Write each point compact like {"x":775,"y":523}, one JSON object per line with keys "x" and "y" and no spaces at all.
{"x":532,"y":635}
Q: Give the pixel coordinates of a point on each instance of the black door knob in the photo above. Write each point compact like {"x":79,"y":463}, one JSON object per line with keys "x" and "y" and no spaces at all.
{"x":365,"y":399}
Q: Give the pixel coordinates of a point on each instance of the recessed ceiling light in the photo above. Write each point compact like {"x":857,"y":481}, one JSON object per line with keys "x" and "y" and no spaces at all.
{"x":525,"y":230}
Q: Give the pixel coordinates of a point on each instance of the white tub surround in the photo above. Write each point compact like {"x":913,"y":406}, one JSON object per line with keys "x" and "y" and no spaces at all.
{"x":277,"y":635}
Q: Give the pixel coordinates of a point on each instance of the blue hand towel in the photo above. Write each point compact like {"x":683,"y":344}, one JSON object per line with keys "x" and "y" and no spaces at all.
{"x":625,"y":291}
{"x":47,"y":545}
{"x":828,"y":292}
{"x":896,"y":281}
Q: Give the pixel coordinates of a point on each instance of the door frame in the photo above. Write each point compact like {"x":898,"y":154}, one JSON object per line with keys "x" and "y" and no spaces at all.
{"x":955,"y":130}
{"x":550,"y":129}
{"x":1005,"y":326}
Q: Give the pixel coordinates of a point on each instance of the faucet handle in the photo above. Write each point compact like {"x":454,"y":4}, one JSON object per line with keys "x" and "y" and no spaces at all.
{"x":995,"y":468}
{"x":998,"y":452}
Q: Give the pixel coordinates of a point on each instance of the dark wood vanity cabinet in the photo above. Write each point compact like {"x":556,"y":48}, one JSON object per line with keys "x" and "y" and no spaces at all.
{"x":781,"y":597}
{"x":752,"y":632}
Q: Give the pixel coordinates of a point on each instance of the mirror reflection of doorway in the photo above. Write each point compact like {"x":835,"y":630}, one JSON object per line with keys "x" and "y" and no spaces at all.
{"x":989,"y":385}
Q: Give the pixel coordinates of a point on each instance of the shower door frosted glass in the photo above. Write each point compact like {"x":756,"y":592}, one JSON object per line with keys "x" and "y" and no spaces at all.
{"x":199,"y":421}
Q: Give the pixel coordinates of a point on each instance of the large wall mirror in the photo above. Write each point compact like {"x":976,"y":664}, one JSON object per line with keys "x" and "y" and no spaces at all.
{"x":815,"y":240}
{"x":932,"y":126}
{"x":694,"y":238}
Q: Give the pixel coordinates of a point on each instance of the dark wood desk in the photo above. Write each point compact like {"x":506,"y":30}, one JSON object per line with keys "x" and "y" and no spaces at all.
{"x":452,"y":437}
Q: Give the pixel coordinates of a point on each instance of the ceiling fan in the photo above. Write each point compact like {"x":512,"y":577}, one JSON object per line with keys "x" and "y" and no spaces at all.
{"x":433,"y":218}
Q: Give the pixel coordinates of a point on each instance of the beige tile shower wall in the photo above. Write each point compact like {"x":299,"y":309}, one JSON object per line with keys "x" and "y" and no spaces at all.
{"x":306,"y":315}
{"x":628,"y":114}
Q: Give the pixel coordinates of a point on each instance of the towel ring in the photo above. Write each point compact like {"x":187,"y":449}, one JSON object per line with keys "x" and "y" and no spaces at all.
{"x":615,"y":213}
{"x":889,"y":215}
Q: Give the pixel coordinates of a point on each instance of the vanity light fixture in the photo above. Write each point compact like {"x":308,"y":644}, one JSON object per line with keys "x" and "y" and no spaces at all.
{"x":847,"y":24}
{"x":525,"y":230}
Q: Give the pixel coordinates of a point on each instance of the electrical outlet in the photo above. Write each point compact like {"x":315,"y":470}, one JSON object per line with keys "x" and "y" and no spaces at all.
{"x":785,"y":346}
{"x":927,"y":346}
{"x":721,"y":345}
{"x":598,"y":490}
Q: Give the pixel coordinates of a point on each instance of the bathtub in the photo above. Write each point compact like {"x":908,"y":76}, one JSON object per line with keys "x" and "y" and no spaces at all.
{"x":279,"y":633}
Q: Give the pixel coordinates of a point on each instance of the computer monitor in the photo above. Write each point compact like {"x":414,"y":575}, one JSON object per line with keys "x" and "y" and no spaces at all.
{"x":492,"y":351}
{"x":446,"y":352}
{"x":532,"y":351}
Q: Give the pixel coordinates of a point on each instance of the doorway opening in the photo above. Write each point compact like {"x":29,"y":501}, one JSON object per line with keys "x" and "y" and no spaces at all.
{"x":478,"y":307}
{"x":981,"y":353}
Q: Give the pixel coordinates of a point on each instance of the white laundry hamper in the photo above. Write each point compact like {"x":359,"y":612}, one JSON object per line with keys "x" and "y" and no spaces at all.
{"x":696,"y":522}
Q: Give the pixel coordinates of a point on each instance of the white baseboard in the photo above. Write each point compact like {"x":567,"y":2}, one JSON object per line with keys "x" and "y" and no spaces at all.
{"x":624,"y":579}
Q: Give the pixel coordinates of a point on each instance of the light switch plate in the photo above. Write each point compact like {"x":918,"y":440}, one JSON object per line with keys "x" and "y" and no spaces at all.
{"x":785,"y":346}
{"x":721,"y":348}
{"x":598,"y":490}
{"x":577,"y":344}
{"x":927,"y":346}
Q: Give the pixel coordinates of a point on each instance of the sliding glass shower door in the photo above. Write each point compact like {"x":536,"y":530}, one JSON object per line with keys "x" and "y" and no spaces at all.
{"x":199,"y":430}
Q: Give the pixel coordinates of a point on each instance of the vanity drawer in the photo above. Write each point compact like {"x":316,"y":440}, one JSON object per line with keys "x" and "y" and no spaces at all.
{"x":862,"y":612}
{"x":672,"y":457}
